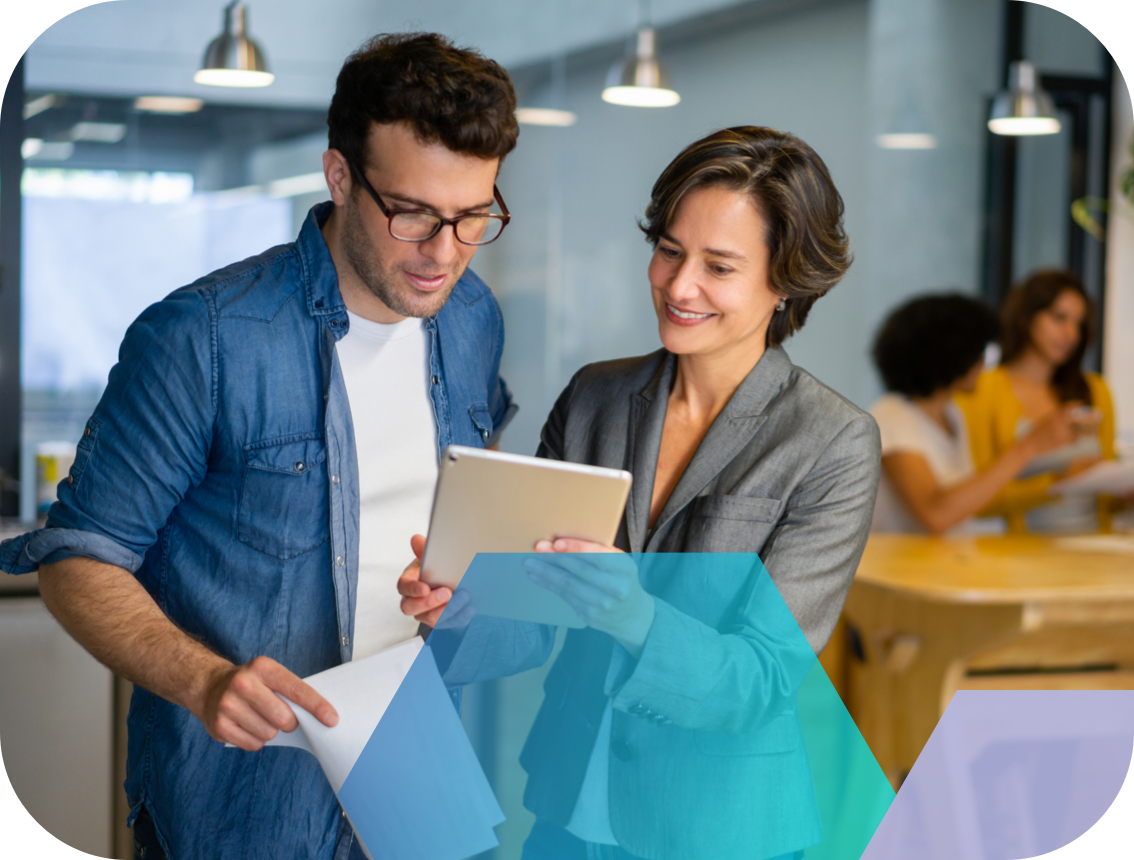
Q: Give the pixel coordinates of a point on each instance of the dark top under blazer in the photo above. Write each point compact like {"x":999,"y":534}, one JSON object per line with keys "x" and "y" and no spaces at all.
{"x":788,"y":470}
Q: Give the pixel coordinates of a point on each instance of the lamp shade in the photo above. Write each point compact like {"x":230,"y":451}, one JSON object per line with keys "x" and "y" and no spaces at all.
{"x":640,"y":81}
{"x":232,"y":59}
{"x":1023,"y":109}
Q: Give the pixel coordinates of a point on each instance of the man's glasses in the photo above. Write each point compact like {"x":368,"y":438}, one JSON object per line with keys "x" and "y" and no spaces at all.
{"x":420,"y":225}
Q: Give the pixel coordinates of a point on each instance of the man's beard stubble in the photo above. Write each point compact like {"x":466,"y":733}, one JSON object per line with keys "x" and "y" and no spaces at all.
{"x":360,"y":253}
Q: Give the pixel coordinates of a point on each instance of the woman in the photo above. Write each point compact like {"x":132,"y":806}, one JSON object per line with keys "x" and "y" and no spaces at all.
{"x":668,"y":728}
{"x":928,"y":350}
{"x":1047,"y":326}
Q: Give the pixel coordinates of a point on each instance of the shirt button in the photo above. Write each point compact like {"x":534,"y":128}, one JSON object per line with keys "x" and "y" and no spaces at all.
{"x":435,"y":379}
{"x":621,"y":750}
{"x":484,"y":433}
{"x":319,"y":304}
{"x":346,"y":641}
{"x":334,"y":323}
{"x":87,"y":432}
{"x":334,"y":479}
{"x":300,"y":466}
{"x":340,"y":561}
{"x":70,"y":479}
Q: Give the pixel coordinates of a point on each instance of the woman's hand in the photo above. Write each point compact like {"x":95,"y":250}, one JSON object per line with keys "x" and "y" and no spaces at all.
{"x":426,"y":603}
{"x":603,"y":588}
{"x":1054,"y":430}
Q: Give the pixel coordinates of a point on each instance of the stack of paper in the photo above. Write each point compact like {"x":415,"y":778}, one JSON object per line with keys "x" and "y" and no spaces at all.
{"x":1108,"y":476}
{"x":399,"y":759}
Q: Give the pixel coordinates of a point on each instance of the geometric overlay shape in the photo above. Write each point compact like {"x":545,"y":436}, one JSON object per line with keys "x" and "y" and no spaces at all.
{"x":723,"y":738}
{"x":416,"y":791}
{"x":1011,"y":774}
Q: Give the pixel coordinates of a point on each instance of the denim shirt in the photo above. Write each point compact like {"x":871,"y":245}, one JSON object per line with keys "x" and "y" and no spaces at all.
{"x":220,"y":468}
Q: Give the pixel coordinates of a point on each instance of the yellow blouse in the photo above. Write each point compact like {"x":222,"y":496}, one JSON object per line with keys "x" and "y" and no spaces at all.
{"x":992,"y":413}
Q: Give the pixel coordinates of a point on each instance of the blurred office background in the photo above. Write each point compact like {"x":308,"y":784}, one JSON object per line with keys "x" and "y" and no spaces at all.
{"x":124,"y":199}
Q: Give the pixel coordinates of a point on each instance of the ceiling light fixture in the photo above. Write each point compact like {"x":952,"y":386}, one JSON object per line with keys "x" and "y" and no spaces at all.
{"x":907,"y":140}
{"x":97,"y":132}
{"x":640,"y":80}
{"x":167,"y":104}
{"x":545,"y":116}
{"x":1024,"y":108}
{"x":39,"y":105}
{"x":232,"y":59}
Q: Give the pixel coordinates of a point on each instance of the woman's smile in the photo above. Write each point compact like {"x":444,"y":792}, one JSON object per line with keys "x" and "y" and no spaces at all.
{"x":677,"y":316}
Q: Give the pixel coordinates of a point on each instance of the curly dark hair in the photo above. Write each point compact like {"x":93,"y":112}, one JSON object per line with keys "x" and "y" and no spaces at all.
{"x":930,"y":342}
{"x":789,"y":183}
{"x":448,"y":94}
{"x":1024,"y":301}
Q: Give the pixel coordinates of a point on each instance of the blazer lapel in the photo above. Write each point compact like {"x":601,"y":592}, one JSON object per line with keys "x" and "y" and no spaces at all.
{"x":732,"y":429}
{"x":647,"y":420}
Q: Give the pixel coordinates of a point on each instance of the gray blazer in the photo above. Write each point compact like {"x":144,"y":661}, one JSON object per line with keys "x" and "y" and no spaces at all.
{"x":707,"y":756}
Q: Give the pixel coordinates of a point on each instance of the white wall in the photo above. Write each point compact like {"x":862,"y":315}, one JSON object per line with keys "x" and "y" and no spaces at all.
{"x":1118,"y":359}
{"x":571,"y":275}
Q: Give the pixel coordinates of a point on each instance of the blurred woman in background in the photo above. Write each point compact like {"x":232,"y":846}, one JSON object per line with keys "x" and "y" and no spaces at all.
{"x":928,"y":350}
{"x":1047,"y":324}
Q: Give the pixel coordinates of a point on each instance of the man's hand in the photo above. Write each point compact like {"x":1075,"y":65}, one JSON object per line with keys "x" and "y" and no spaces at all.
{"x":426,"y":603}
{"x":111,"y":615}
{"x":240,"y":705}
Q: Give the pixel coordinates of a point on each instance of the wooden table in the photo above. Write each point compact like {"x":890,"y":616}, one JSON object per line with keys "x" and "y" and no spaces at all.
{"x":929,"y":616}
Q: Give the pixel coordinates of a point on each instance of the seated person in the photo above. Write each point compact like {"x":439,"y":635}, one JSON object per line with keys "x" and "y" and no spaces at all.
{"x":1046,"y":327}
{"x":927,"y":350}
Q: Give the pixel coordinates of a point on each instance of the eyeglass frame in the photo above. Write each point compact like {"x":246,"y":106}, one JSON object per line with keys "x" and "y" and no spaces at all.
{"x":390,"y":211}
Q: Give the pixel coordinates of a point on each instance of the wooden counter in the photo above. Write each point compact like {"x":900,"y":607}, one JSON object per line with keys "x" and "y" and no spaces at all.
{"x":929,"y":616}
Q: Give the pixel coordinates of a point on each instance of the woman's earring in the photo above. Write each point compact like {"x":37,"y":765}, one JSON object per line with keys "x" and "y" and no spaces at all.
{"x":781,"y":305}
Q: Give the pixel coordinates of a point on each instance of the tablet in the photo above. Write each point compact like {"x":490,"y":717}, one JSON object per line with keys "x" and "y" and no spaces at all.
{"x":488,"y":502}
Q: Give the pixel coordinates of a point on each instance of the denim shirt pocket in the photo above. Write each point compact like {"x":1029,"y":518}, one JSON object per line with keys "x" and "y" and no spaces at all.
{"x":283,"y":500}
{"x":482,"y":421}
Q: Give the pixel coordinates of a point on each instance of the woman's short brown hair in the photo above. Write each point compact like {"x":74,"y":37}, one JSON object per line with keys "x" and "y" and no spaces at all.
{"x":447,"y":94}
{"x":788,"y":182}
{"x":1024,"y":301}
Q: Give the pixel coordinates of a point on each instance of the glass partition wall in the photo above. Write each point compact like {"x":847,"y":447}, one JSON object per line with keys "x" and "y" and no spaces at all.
{"x":122,"y":205}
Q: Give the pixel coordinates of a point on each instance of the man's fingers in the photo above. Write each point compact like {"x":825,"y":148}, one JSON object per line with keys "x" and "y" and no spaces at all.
{"x":417,"y":544}
{"x":228,"y":732}
{"x":419,"y":606}
{"x":247,"y":715}
{"x":281,"y":680}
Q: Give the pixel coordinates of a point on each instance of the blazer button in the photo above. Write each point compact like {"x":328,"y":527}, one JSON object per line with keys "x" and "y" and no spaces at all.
{"x":621,"y":750}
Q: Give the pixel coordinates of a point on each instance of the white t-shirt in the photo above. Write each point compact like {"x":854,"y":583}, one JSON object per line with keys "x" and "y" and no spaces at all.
{"x":386,"y":371}
{"x":906,"y":429}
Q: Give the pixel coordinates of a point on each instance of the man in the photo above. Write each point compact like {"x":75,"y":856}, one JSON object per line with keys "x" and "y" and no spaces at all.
{"x":241,"y":503}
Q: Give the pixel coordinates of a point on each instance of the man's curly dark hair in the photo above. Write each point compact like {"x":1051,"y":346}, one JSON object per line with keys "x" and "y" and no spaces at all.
{"x":930,"y":342}
{"x":447,"y":94}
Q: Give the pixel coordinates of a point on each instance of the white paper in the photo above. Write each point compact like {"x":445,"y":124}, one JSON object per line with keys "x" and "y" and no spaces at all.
{"x":1114,"y":477}
{"x":360,"y":691}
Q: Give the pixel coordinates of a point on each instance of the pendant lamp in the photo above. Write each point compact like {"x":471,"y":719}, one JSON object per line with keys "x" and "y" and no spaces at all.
{"x":640,"y":80}
{"x":1024,"y":108}
{"x":232,"y":58}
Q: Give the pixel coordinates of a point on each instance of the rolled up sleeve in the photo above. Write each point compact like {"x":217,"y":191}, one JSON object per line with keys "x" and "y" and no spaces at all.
{"x":144,"y":447}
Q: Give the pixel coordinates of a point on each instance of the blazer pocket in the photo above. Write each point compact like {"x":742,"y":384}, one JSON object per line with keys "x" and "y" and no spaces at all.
{"x":747,"y":508}
{"x":283,"y":500}
{"x":731,"y":523}
{"x":783,"y":734}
